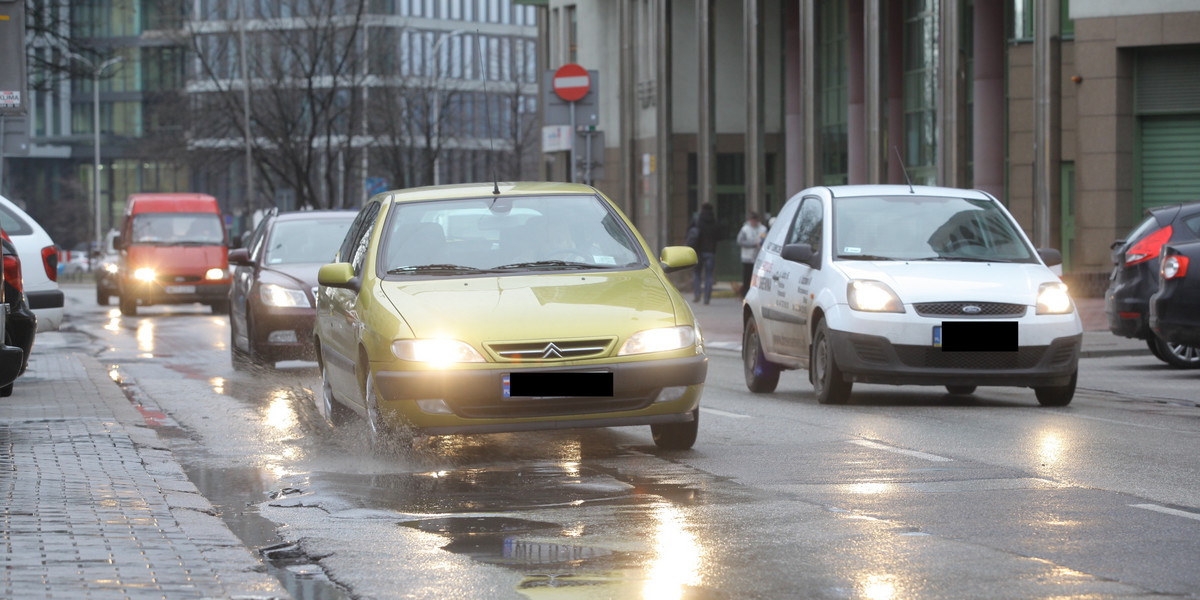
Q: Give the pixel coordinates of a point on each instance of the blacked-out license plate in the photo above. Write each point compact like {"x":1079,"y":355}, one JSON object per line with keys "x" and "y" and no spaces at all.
{"x":558,"y":384}
{"x":976,"y":336}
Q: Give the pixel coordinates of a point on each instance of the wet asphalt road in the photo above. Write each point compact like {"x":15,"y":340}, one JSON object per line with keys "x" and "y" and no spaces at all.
{"x":905,"y":492}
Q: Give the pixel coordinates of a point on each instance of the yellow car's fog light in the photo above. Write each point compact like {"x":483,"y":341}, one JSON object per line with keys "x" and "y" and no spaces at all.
{"x":145,"y":274}
{"x":670,"y":394}
{"x":215,"y":274}
{"x":439,"y":353}
{"x":1053,"y":299}
{"x":434,"y":406}
{"x":659,"y":340}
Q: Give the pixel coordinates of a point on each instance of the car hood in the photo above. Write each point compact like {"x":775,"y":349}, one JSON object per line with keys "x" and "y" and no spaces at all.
{"x":177,"y":259}
{"x":298,"y":275}
{"x":918,"y":281}
{"x":529,"y":307}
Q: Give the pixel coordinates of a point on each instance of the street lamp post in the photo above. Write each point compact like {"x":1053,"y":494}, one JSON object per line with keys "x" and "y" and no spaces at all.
{"x":437,"y":101}
{"x":97,"y":70}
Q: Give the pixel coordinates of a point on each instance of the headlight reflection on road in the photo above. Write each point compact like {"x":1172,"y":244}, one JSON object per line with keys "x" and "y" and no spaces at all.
{"x":114,"y":320}
{"x":279,"y":410}
{"x":1051,"y":448}
{"x":218,"y":384}
{"x":145,"y":336}
{"x":878,"y":587}
{"x":677,"y":556}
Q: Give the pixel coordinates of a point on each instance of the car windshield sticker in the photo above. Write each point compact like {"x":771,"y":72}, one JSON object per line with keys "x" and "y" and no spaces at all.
{"x":851,"y":250}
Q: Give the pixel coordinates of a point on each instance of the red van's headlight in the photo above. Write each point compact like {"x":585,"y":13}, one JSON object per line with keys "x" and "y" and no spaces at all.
{"x":215,"y":274}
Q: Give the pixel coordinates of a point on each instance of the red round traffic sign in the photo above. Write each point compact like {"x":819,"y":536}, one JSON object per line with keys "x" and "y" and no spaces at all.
{"x":572,"y":82}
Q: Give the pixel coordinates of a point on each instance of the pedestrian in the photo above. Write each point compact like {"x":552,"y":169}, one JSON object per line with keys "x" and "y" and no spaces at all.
{"x":707,"y":232}
{"x":750,"y":239}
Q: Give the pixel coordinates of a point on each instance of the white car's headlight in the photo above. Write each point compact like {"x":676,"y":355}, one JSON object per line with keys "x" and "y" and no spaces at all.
{"x":145,"y":274}
{"x":277,"y":295}
{"x":1053,"y":299}
{"x":659,"y":340}
{"x":436,"y":352}
{"x":873,"y":296}
{"x":215,"y":274}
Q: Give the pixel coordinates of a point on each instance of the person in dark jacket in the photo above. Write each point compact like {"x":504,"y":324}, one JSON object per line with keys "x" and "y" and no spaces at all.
{"x":707,"y":234}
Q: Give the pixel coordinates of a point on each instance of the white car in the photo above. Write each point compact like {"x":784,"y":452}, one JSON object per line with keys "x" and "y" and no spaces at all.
{"x":39,"y":264}
{"x":908,"y":286}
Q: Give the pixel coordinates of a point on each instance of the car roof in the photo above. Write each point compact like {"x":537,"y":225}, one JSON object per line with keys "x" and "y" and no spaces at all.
{"x":854,"y":191}
{"x":304,"y":215}
{"x":481,"y":190}
{"x":173,"y":202}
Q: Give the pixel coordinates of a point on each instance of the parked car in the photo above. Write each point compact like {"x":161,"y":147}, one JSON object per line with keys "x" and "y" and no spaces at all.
{"x":1175,"y":307}
{"x":907,"y":286}
{"x":39,"y":260}
{"x":272,"y":305}
{"x":1135,"y":277}
{"x":18,"y":325}
{"x":173,"y":251}
{"x":107,"y":267}
{"x":514,"y":307}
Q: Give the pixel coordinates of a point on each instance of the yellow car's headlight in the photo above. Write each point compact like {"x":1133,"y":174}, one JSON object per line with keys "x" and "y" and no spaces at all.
{"x":1053,"y":299}
{"x":873,"y":296}
{"x":145,"y":274}
{"x":659,"y":340}
{"x":216,"y":274}
{"x":436,"y":352}
{"x":277,"y":295}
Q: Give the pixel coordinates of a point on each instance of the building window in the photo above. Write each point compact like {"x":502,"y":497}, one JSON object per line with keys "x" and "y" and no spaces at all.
{"x":920,"y":90}
{"x":833,"y":95}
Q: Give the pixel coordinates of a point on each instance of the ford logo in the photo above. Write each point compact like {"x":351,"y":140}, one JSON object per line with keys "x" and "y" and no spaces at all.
{"x":971,"y":309}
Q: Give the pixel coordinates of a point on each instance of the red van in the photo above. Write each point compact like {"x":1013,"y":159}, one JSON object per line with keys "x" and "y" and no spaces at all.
{"x":173,"y":251}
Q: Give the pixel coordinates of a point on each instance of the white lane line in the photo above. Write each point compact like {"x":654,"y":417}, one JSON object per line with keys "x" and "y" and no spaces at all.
{"x":913,"y":453}
{"x":1168,"y":511}
{"x":721,"y":413}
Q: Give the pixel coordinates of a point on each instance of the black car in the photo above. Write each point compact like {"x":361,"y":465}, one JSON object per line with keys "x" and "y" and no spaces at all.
{"x":272,"y":302}
{"x":1136,"y":274}
{"x":20,"y":324}
{"x":1175,"y":307}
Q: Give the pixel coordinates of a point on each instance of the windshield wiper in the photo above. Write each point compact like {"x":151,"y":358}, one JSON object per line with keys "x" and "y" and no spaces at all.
{"x":865,"y":257}
{"x":438,"y":268}
{"x":973,"y":259}
{"x":560,"y":264}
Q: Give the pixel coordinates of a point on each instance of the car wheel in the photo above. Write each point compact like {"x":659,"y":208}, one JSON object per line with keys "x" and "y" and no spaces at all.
{"x":6,"y":390}
{"x":1177,"y":355}
{"x":677,"y":436}
{"x":1152,"y":342}
{"x":240,"y":358}
{"x":1059,"y":395}
{"x":220,"y":307}
{"x":385,"y":439}
{"x":762,"y":376}
{"x":827,"y":381}
{"x":254,"y":353}
{"x":961,"y":390}
{"x":327,"y":405}
{"x":101,"y":296}
{"x":129,"y":306}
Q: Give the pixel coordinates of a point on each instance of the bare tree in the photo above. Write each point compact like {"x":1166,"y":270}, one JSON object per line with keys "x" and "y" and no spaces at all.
{"x":302,"y":62}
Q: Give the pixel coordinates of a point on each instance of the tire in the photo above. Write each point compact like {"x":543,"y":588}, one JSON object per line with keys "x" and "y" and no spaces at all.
{"x":101,"y":296}
{"x":828,"y":384}
{"x":256,"y":357}
{"x":385,"y":439}
{"x":6,"y":390}
{"x":762,"y":375}
{"x":1152,"y":343}
{"x":129,"y":306}
{"x":1177,"y":355}
{"x":1057,"y":395}
{"x":238,"y":357}
{"x":961,"y":390}
{"x":327,"y":405}
{"x":220,"y":307}
{"x":677,"y":436}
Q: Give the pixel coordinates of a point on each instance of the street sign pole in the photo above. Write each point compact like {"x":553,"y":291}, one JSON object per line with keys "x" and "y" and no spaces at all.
{"x":572,"y":169}
{"x":571,"y":83}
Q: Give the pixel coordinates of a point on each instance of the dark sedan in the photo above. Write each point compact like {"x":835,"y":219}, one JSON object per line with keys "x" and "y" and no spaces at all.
{"x":20,"y":324}
{"x":1175,"y":307}
{"x":1135,"y":278}
{"x":272,"y":299}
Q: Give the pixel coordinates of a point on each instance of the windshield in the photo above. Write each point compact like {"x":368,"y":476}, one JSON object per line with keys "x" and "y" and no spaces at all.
{"x":309,"y":241}
{"x":178,"y":228}
{"x":919,"y":228}
{"x":506,"y":235}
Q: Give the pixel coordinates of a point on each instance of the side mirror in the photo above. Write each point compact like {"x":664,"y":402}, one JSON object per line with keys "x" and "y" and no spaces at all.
{"x":240,"y":257}
{"x":118,"y":243}
{"x":1050,"y":256}
{"x":801,"y":253}
{"x":677,"y":258}
{"x":338,"y":275}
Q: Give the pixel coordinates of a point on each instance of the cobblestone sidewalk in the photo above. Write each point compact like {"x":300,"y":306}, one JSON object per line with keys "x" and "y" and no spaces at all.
{"x":95,"y":506}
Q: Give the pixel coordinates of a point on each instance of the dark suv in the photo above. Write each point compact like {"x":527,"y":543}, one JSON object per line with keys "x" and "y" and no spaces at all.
{"x":20,"y":324}
{"x":1135,"y":278}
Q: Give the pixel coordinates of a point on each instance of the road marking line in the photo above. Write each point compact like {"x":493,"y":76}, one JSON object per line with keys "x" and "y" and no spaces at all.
{"x":721,"y":413}
{"x":1168,"y":511}
{"x":913,"y":453}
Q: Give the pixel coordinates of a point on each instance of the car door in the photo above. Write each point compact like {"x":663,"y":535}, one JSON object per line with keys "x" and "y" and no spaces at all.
{"x":785,"y":316}
{"x":243,"y":279}
{"x":337,"y":316}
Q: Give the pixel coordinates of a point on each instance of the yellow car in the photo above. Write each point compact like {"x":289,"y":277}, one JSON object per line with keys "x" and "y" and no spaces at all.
{"x":506,"y":307}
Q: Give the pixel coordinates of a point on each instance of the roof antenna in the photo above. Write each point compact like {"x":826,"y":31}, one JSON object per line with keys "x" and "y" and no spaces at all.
{"x":487,"y":110}
{"x":896,"y":149}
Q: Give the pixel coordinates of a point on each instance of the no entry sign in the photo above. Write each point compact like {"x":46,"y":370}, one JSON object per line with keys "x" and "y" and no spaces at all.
{"x":571,"y":82}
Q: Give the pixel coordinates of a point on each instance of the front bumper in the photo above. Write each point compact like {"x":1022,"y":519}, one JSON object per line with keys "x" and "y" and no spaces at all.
{"x":644,"y":392}
{"x":284,"y":333}
{"x":157,"y":293}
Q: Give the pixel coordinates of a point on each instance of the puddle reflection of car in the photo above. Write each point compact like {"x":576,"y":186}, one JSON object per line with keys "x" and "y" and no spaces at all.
{"x":907,"y":286}
{"x":19,"y":324}
{"x":473,"y":309}
{"x":106,"y":270}
{"x":271,"y":300}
